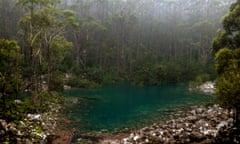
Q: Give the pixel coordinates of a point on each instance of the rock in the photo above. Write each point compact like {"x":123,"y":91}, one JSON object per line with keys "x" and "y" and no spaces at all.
{"x":199,"y":110}
{"x":208,"y":87}
{"x":200,"y":125}
{"x":2,"y":132}
{"x":13,"y":129}
{"x":18,"y":102}
{"x":27,"y":141}
{"x":34,"y":116}
{"x":210,"y":132}
{"x":66,"y":87}
{"x":135,"y":138}
{"x":104,"y":131}
{"x":196,"y":136}
{"x":51,"y":138}
{"x":40,"y":135}
{"x":207,"y":141}
{"x":19,"y":133}
{"x":3,"y":124}
{"x":191,"y":118}
{"x":222,"y":124}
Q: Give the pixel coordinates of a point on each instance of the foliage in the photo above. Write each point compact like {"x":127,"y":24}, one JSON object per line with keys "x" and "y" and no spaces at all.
{"x":12,"y":112}
{"x":42,"y":30}
{"x":170,"y":72}
{"x":78,"y":82}
{"x":10,"y":79}
{"x":227,"y":49}
{"x":101,"y":42}
{"x":228,"y":86}
{"x":94,"y":74}
{"x":107,"y":35}
{"x":57,"y":81}
{"x":111,"y":76}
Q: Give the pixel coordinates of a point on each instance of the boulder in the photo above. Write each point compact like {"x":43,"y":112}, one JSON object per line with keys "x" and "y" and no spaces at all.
{"x":197,"y":136}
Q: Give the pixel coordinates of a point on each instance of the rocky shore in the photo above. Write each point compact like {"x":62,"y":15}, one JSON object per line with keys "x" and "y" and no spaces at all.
{"x":200,"y":125}
{"x":206,"y":87}
{"x":34,"y":128}
{"x":204,"y":125}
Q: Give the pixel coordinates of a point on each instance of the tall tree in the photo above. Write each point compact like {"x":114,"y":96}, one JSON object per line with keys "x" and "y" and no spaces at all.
{"x":226,"y":46}
{"x":42,"y":25}
{"x":9,"y":71}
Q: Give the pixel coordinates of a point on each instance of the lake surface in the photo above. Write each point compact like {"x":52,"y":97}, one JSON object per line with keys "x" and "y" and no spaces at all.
{"x":116,"y":107}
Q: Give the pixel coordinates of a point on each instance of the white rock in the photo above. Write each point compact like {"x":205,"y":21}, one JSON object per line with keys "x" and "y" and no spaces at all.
{"x":161,"y":132}
{"x":19,"y":133}
{"x":17,"y":101}
{"x":41,"y":135}
{"x":125,"y":139}
{"x":22,"y":123}
{"x":180,"y":130}
{"x":208,"y":87}
{"x":222,"y":124}
{"x":12,"y":129}
{"x":135,"y":138}
{"x":3,"y":123}
{"x":131,"y":135}
{"x":206,"y":124}
{"x":34,"y":116}
{"x":146,"y":140}
{"x":210,"y":132}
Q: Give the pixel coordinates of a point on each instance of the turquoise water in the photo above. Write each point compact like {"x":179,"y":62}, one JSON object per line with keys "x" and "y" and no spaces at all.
{"x":115,"y":107}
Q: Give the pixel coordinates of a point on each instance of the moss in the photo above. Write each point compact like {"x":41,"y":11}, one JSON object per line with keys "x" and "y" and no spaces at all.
{"x":38,"y":129}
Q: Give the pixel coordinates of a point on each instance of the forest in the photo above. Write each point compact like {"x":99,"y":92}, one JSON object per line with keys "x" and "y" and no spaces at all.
{"x":47,"y":46}
{"x":146,"y":42}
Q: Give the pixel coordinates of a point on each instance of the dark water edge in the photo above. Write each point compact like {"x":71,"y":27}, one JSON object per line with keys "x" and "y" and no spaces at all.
{"x":122,"y":108}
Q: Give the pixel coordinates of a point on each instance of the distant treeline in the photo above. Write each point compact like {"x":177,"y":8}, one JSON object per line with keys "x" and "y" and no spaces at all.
{"x":147,"y":42}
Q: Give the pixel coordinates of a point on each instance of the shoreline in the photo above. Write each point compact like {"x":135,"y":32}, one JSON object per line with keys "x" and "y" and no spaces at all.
{"x":199,"y":125}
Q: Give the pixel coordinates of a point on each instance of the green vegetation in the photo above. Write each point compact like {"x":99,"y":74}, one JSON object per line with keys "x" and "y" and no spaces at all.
{"x":86,"y":44}
{"x":10,"y":80}
{"x":100,"y":42}
{"x":226,"y":47}
{"x":48,"y":44}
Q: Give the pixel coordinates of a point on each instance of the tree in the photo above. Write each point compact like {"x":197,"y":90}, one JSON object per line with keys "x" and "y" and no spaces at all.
{"x":226,"y":46}
{"x":9,"y":71}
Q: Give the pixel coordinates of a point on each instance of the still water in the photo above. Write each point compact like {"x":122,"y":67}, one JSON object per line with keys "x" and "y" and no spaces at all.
{"x":116,"y":107}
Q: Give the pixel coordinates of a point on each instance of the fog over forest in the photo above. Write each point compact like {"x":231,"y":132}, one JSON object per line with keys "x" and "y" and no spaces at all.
{"x":120,"y":61}
{"x":144,"y":41}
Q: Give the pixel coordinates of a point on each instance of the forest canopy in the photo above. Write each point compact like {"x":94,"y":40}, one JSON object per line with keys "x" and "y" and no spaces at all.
{"x":146,"y":42}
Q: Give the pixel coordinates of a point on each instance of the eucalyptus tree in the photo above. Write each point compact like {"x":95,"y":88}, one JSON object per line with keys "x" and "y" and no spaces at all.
{"x":42,"y":26}
{"x":226,"y":46}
